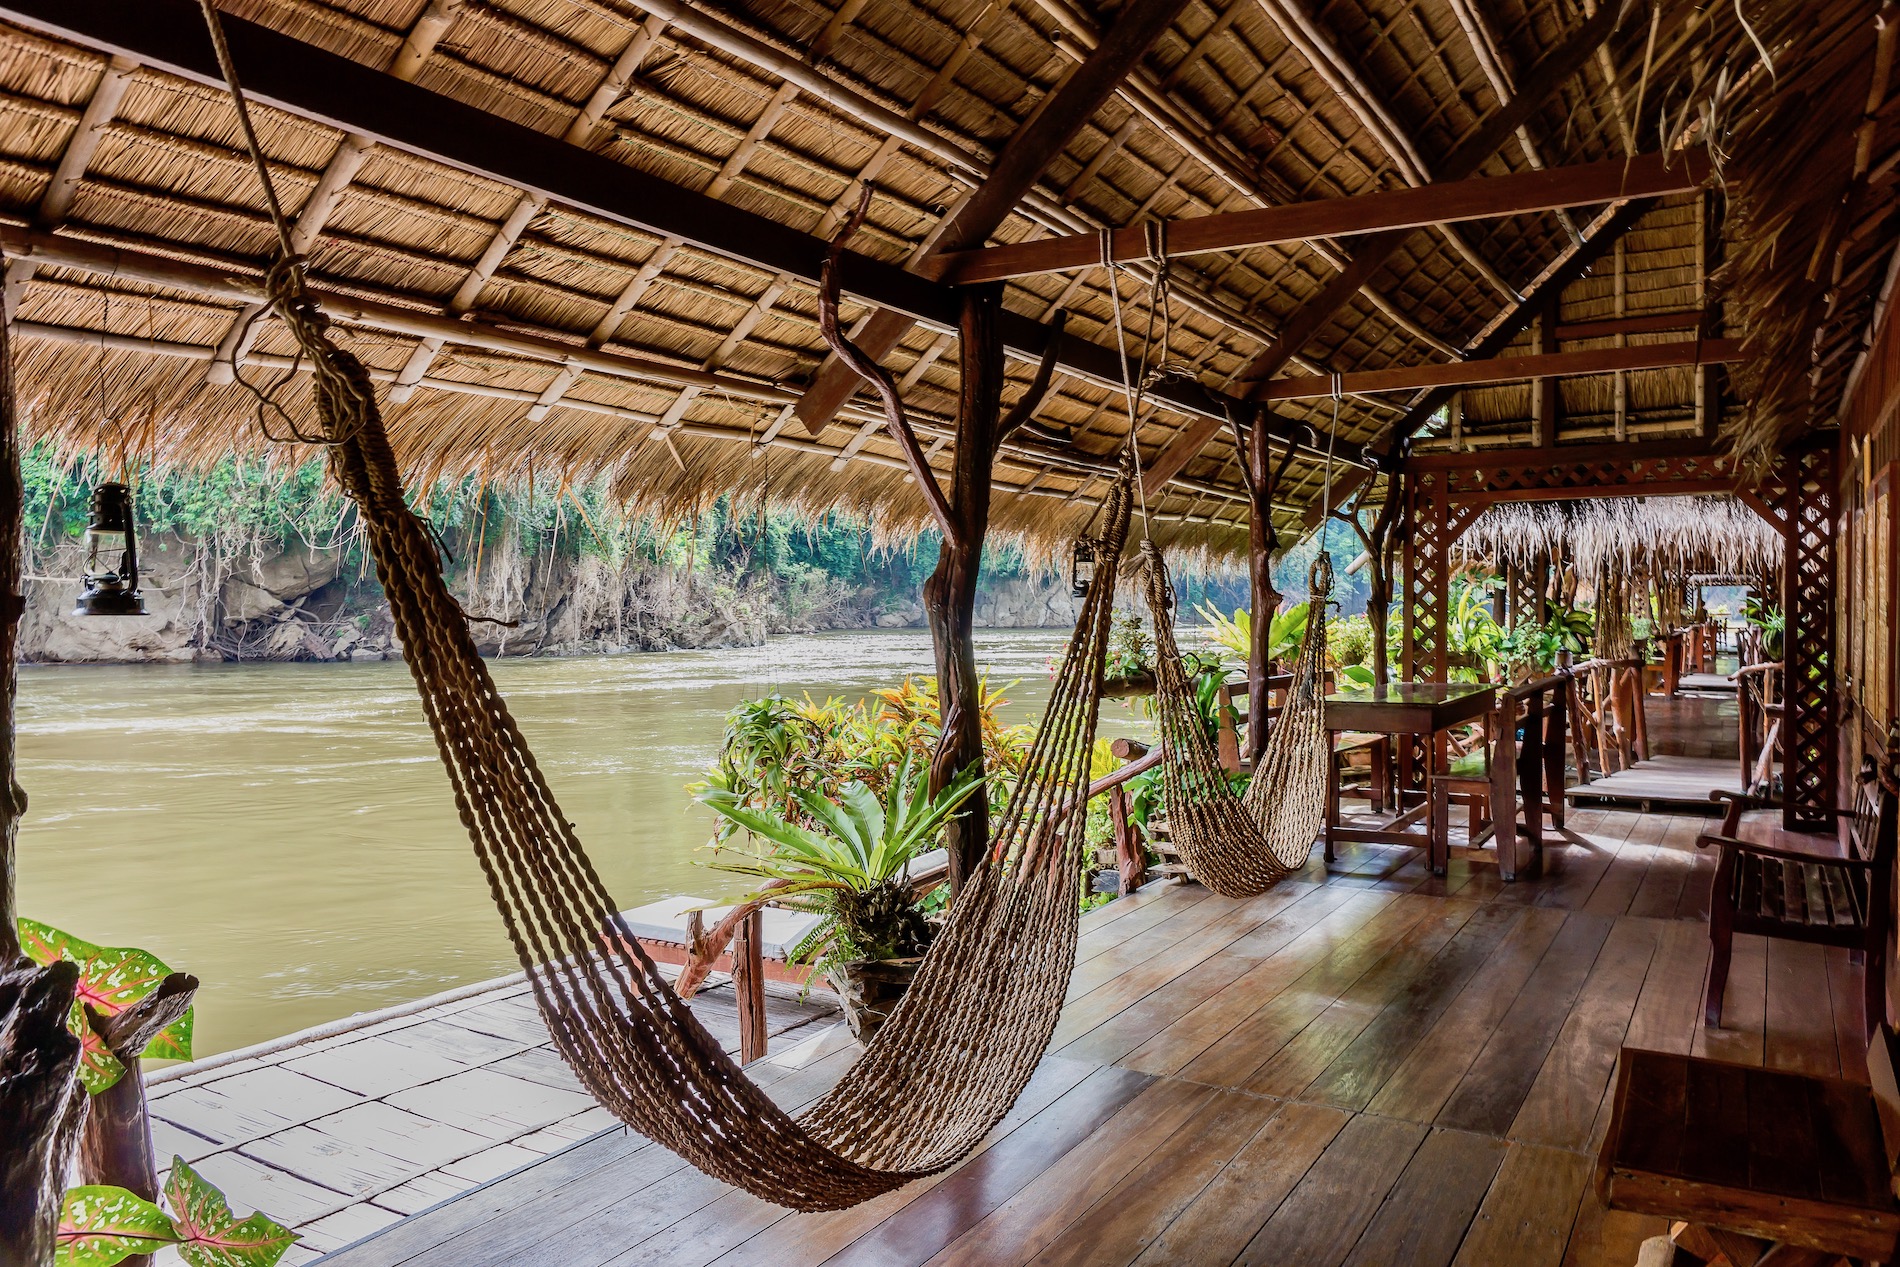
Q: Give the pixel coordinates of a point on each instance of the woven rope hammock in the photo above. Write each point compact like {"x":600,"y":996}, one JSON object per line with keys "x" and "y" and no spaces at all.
{"x":958,"y":1050}
{"x":1242,"y":845}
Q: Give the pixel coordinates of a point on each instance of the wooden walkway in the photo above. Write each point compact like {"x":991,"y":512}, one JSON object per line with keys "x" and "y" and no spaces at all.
{"x":1665,"y":781}
{"x":338,"y":1134}
{"x":1370,"y":1066}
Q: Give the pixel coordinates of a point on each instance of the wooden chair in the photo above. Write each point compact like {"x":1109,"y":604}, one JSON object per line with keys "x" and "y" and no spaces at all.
{"x":1802,"y":895}
{"x":1755,"y":1166}
{"x":1519,"y":767}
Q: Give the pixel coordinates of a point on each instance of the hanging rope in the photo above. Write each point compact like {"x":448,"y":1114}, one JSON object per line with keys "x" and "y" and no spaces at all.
{"x":978,"y":1016}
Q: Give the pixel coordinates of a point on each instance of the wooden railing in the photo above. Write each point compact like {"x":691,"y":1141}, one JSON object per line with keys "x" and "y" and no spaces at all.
{"x":1131,"y":856}
{"x":1606,"y":699}
{"x":1758,"y":691}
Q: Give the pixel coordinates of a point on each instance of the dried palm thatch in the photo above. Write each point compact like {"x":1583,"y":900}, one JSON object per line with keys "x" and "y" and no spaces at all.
{"x":1628,"y":537}
{"x":1810,"y":226}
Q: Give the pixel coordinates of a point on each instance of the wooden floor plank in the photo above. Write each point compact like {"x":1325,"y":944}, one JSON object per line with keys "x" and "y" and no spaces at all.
{"x":740,"y":1228}
{"x":1632,"y":840}
{"x":1043,"y":1207}
{"x":1424,"y":1220}
{"x":1306,"y":1055}
{"x":1527,"y":1216}
{"x":1321,"y":1219}
{"x":1671,"y":863}
{"x":1118,"y":1227}
{"x":1171,"y":997}
{"x":1669,"y":1009}
{"x":1366,"y":915}
{"x":1232,"y":1058}
{"x":1493,"y":1090}
{"x":1562,"y":1106}
{"x":1426,"y":1078}
{"x":1846,"y":991}
{"x":1153,"y":965}
{"x":1740,"y":1038}
{"x":917,"y":1231}
{"x":1359,"y":1071}
{"x":1217,"y":1225}
{"x":1797,"y":1033}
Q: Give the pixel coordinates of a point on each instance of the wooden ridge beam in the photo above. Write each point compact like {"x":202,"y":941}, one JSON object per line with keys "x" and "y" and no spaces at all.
{"x":1036,"y":143}
{"x":1552,"y":71}
{"x":1511,"y":369}
{"x":1442,"y":203}
{"x":312,"y":83}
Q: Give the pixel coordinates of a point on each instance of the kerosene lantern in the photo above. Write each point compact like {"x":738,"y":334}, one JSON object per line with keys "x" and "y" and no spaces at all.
{"x":112,"y":557}
{"x":1082,"y":567}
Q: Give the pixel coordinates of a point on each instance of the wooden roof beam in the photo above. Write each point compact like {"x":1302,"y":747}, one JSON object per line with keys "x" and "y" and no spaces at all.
{"x":1511,"y":369}
{"x":1036,"y":143}
{"x":1551,"y":73}
{"x":1481,"y":198}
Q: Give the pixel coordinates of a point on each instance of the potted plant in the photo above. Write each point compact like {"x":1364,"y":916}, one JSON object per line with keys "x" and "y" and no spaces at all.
{"x":847,"y":858}
{"x":1130,"y":670}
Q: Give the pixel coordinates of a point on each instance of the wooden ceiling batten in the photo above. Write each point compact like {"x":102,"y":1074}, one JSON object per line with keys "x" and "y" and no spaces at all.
{"x":1474,"y":199}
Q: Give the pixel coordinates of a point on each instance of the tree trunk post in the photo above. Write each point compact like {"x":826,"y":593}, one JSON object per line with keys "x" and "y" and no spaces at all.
{"x":1379,"y":577}
{"x":950,"y":593}
{"x":1263,"y":543}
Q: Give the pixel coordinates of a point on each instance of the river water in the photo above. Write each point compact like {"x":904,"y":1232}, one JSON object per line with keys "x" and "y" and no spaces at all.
{"x":285,"y":833}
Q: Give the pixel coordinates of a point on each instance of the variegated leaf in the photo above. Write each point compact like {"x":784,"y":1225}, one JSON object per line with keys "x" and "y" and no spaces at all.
{"x":209,"y":1236}
{"x":99,"y":1225}
{"x":111,"y":978}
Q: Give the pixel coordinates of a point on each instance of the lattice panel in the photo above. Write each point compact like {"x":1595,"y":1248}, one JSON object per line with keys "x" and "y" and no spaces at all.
{"x":1427,"y":598}
{"x":1547,"y":474}
{"x":1810,"y":732}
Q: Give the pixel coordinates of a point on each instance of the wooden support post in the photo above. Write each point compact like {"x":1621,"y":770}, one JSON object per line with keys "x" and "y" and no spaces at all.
{"x":1131,"y":857}
{"x":950,"y":593}
{"x":748,"y":984}
{"x":1545,"y":400}
{"x":1263,"y":543}
{"x":1556,"y":741}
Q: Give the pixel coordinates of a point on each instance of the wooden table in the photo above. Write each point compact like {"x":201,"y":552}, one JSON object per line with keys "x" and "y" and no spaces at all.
{"x":1406,"y":708}
{"x":1758,"y":1165}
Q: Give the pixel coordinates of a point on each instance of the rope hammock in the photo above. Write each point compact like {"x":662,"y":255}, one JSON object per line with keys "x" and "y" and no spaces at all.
{"x":958,"y":1050}
{"x":1242,"y":845}
{"x":1236,"y":847}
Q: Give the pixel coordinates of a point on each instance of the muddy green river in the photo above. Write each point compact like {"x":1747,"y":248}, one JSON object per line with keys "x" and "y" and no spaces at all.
{"x":285,"y":832}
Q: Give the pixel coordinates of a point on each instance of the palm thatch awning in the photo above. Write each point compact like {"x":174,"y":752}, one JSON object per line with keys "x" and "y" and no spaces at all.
{"x":1678,"y":537}
{"x":520,"y":333}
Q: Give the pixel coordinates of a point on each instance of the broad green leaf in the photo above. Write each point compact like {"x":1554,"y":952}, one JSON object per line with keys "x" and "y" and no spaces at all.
{"x":111,"y":979}
{"x":99,"y":1225}
{"x":209,"y":1236}
{"x":44,"y":944}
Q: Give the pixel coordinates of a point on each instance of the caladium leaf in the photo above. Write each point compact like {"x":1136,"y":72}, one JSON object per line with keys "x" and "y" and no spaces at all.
{"x":111,"y":978}
{"x":207,"y":1233}
{"x":99,"y":1225}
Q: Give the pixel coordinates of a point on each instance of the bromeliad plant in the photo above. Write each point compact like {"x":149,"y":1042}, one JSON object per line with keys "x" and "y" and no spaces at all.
{"x":100,"y":1225}
{"x":1235,"y":633}
{"x":845,"y":857}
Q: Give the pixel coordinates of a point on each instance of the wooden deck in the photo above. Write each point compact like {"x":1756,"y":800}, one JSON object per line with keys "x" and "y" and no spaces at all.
{"x":1666,"y":780}
{"x":1370,"y":1066}
{"x":341,"y":1131}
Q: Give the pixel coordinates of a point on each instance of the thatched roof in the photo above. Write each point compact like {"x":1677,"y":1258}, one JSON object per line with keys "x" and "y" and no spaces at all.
{"x":1679,"y":537}
{"x":1245,"y":104}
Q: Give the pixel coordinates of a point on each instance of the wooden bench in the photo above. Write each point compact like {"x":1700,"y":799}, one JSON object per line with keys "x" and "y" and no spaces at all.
{"x":1757,"y":1167}
{"x":1766,"y":884}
